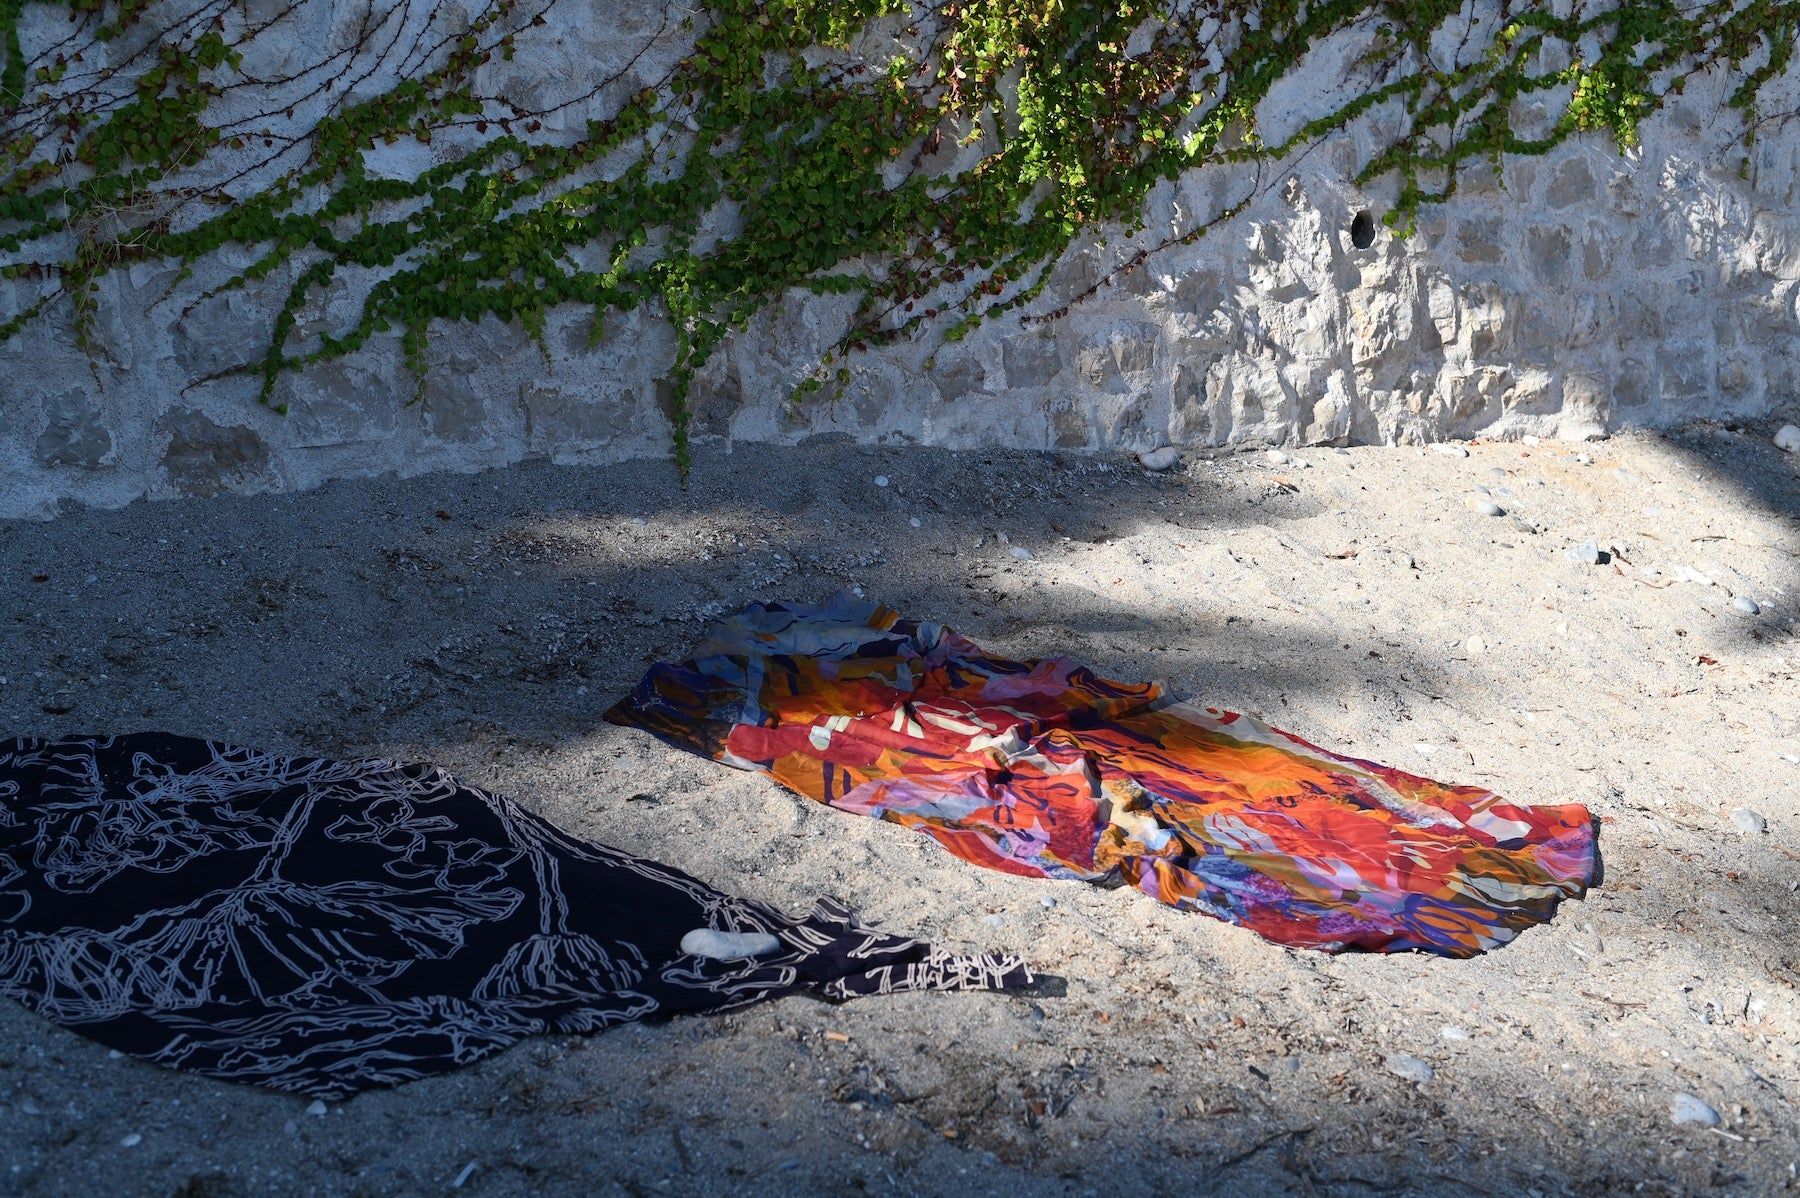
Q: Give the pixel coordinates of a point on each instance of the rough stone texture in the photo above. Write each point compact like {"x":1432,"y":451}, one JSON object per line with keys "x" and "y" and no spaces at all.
{"x":1563,"y":297}
{"x":203,"y":458}
{"x":75,"y":433}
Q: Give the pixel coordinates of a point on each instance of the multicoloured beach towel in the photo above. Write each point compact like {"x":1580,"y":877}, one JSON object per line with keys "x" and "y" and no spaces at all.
{"x":1045,"y":769}
{"x":332,"y":926}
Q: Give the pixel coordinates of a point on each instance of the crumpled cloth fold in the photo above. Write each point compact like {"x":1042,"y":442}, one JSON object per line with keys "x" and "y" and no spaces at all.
{"x":1046,"y":769}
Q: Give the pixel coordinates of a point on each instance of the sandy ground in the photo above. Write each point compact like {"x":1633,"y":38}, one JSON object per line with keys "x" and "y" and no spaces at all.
{"x":484,"y":622}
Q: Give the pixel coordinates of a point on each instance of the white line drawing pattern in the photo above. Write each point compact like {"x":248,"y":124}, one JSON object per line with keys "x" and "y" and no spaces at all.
{"x":329,"y":927}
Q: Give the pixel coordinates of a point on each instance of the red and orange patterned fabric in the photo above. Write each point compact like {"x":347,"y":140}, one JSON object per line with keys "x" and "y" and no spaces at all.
{"x":1046,"y":769}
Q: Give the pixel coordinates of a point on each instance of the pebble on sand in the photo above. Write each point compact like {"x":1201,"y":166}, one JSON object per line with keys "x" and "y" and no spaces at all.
{"x":316,"y":1108}
{"x":1685,"y":1108}
{"x":1587,"y":553}
{"x":1747,"y":605}
{"x":1788,"y":438}
{"x":1453,"y":1033}
{"x":1164,"y":457}
{"x":881,"y":480}
{"x":1411,"y":1068}
{"x":1486,"y":507}
{"x":1276,"y":457}
{"x":1750,"y":823}
{"x":131,"y":1141}
{"x":1450,"y":449}
{"x":1022,"y":553}
{"x":728,"y":946}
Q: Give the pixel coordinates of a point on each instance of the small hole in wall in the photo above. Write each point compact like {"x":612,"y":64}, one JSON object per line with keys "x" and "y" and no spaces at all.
{"x":1362,"y":230}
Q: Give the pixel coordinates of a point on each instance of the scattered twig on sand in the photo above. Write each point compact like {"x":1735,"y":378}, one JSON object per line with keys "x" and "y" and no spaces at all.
{"x":1293,"y":1133}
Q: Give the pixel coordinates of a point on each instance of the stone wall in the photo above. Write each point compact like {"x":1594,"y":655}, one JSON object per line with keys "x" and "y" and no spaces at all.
{"x":1567,"y":296}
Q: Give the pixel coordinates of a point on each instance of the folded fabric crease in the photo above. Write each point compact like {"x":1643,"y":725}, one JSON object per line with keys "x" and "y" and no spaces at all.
{"x":1046,"y":769}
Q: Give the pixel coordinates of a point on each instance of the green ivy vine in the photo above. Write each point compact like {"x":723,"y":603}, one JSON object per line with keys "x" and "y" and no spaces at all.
{"x":932,"y":158}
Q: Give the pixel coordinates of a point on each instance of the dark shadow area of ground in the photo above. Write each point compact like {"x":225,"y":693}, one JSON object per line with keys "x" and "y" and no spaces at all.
{"x":473,"y":596}
{"x":1739,"y":458}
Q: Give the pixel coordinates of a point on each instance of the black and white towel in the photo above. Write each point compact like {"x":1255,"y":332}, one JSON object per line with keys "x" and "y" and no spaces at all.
{"x":333,"y":926}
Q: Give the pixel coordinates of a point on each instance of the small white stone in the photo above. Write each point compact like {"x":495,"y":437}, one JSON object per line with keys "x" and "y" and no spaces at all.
{"x":1788,"y":439}
{"x":1450,"y":449}
{"x":1584,"y":459}
{"x":1164,"y":457}
{"x":1528,"y":439}
{"x":1486,"y":507}
{"x":1276,"y":457}
{"x":915,"y":522}
{"x":1750,"y":823}
{"x":1047,"y":902}
{"x":881,"y":480}
{"x":728,"y":946}
{"x":1474,"y":645}
{"x":1689,"y":574}
{"x":994,"y":920}
{"x":1685,"y":1108}
{"x":1747,"y":605}
{"x":317,"y":1107}
{"x":1410,"y":1067}
{"x":131,"y":1141}
{"x":1587,"y":553}
{"x":1022,"y":553}
{"x":1453,"y":1033}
